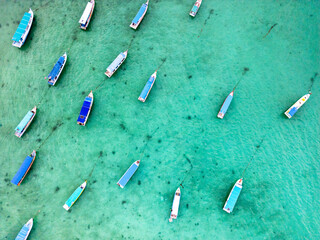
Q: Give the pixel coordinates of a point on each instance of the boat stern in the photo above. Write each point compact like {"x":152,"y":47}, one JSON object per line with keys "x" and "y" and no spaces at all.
{"x":66,"y":207}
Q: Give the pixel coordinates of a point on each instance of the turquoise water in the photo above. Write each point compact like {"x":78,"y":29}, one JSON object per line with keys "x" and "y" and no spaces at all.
{"x":175,"y":132}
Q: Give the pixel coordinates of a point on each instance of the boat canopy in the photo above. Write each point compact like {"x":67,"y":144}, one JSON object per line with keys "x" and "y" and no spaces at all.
{"x":22,"y":170}
{"x":54,"y":72}
{"x":126,"y":177}
{"x":226,"y":104}
{"x":86,"y":13}
{"x":24,"y":122}
{"x":22,"y":27}
{"x":84,"y":110}
{"x":194,"y":9}
{"x":116,"y":62}
{"x":74,"y":196}
{"x":140,"y":13}
{"x":233,"y":198}
{"x":147,"y":88}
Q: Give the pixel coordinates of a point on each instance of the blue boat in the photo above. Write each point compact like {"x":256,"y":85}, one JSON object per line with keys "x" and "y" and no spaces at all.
{"x":113,"y":67}
{"x":225,"y":105}
{"x":128,"y":174}
{"x":85,"y":110}
{"x":57,"y":69}
{"x":140,"y":15}
{"x":75,"y":195}
{"x":26,"y":121}
{"x":23,"y":29}
{"x":24,"y":169}
{"x":25,"y":230}
{"x":147,"y":88}
{"x":233,"y":197}
{"x":195,"y":8}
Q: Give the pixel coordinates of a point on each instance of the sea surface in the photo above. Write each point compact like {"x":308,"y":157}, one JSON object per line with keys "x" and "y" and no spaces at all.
{"x":176,"y":133}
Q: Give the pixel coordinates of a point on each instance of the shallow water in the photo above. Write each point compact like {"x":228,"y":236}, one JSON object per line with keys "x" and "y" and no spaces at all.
{"x":175,"y":132}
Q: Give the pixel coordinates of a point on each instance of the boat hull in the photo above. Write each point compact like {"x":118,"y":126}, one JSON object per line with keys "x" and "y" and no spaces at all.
{"x":233,"y":196}
{"x":75,"y":196}
{"x":114,"y":66}
{"x":295,"y":107}
{"x":25,"y":230}
{"x":195,"y":8}
{"x":89,"y":18}
{"x":175,"y":205}
{"x":128,"y":174}
{"x":85,"y":110}
{"x":24,"y":169}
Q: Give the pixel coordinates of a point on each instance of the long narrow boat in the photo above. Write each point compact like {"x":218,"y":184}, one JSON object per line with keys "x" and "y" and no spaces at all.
{"x":195,"y":8}
{"x":128,"y":174}
{"x":87,"y":14}
{"x":85,"y":110}
{"x":25,"y":230}
{"x":116,"y":64}
{"x":57,"y":69}
{"x":140,"y":15}
{"x":225,"y":105}
{"x":147,"y":88}
{"x":294,"y":108}
{"x":24,"y":169}
{"x":233,"y":196}
{"x":175,"y":205}
{"x":23,"y":29}
{"x":75,"y":195}
{"x":26,"y":121}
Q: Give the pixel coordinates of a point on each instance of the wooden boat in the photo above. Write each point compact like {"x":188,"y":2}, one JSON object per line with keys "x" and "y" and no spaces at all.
{"x":295,"y":107}
{"x":24,"y":169}
{"x":113,"y":67}
{"x":23,"y":29}
{"x":140,"y":15}
{"x":85,"y":110}
{"x":26,"y":121}
{"x":147,"y":88}
{"x":233,"y":196}
{"x":175,"y":205}
{"x":128,"y":174}
{"x":57,"y":69}
{"x":75,"y":195}
{"x":25,"y":230}
{"x":87,"y":14}
{"x":225,"y":105}
{"x":195,"y":8}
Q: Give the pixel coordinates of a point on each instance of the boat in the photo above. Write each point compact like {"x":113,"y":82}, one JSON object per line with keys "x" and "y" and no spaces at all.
{"x":116,"y":64}
{"x":26,"y":121}
{"x":85,"y":110}
{"x":140,"y":15}
{"x":195,"y":8}
{"x":294,"y":108}
{"x":57,"y":69}
{"x":75,"y":195}
{"x":233,"y":196}
{"x":175,"y":205}
{"x":225,"y":105}
{"x":87,"y":14}
{"x":23,"y":29}
{"x":24,"y":169}
{"x":147,"y":88}
{"x":128,"y":174}
{"x":25,"y":230}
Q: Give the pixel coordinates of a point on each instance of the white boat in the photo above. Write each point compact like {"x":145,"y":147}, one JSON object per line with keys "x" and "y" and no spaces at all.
{"x":294,"y":108}
{"x":175,"y":205}
{"x":195,"y":8}
{"x":87,"y":14}
{"x":113,"y":67}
